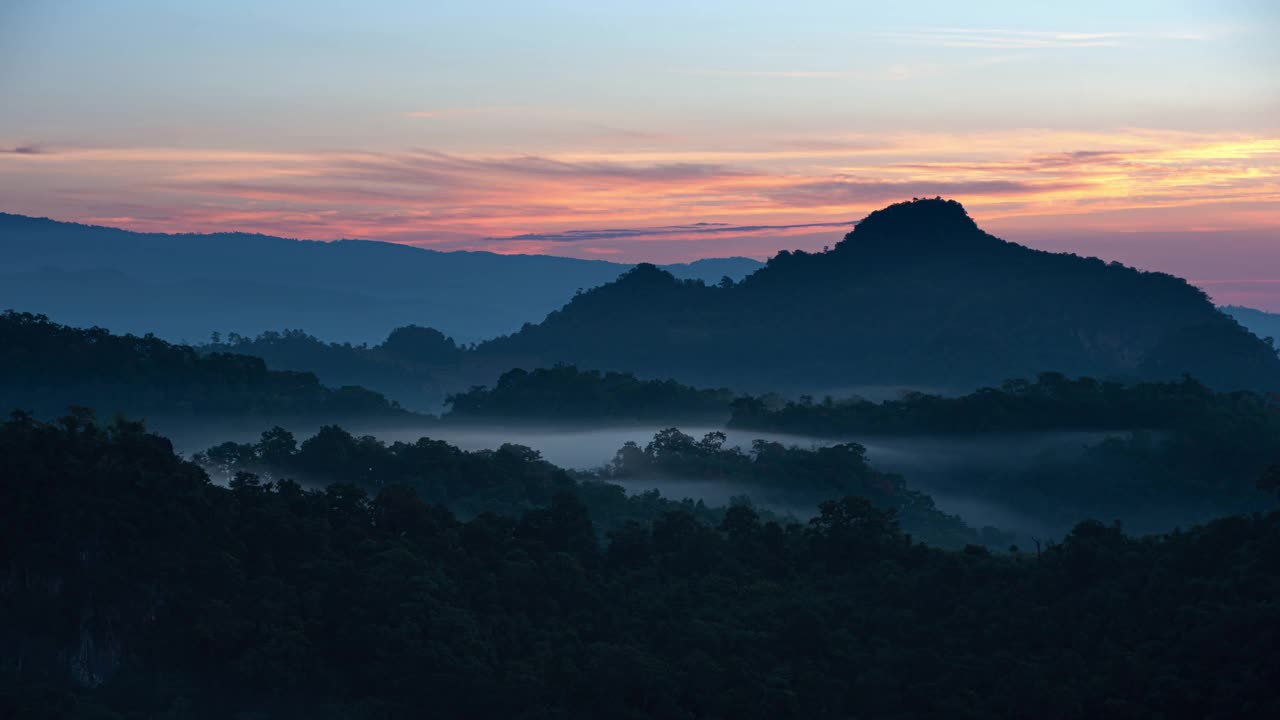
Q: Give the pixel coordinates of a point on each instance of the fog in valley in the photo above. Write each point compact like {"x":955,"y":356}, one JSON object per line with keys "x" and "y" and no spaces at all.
{"x":934,"y":464}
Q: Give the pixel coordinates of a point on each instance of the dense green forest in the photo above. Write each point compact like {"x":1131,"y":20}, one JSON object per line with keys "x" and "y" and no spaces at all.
{"x":44,"y":367}
{"x":514,"y":479}
{"x":1181,"y":452}
{"x":778,"y":475}
{"x":916,"y":294}
{"x":507,"y":481}
{"x":406,"y":367}
{"x":134,"y":587}
{"x":1051,"y":402}
{"x":566,"y":394}
{"x":1169,"y":452}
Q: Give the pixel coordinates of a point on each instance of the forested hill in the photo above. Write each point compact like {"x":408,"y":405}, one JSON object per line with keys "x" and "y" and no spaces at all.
{"x":1051,"y":402}
{"x":45,"y":367}
{"x":406,"y":367}
{"x":915,"y":294}
{"x":565,"y":394}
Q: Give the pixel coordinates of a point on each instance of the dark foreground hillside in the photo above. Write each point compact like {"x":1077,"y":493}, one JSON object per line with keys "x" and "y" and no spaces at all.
{"x":132,"y":587}
{"x":916,"y":295}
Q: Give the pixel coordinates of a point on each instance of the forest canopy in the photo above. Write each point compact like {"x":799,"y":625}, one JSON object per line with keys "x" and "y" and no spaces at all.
{"x":407,"y":367}
{"x":45,"y":367}
{"x":146,"y":590}
{"x":514,"y":478}
{"x":1052,"y":401}
{"x":565,"y":393}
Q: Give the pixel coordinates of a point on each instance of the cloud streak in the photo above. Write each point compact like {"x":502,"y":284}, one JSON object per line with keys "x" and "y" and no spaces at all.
{"x":1007,"y":39}
{"x":783,"y":74}
{"x":670,"y":231}
{"x":845,"y":190}
{"x":633,"y":200}
{"x":25,"y":150}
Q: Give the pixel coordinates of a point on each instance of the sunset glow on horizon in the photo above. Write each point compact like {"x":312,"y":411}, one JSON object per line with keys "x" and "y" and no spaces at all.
{"x":1148,"y":133}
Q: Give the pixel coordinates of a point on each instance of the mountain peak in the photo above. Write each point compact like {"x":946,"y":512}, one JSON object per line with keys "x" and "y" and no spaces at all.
{"x":646,"y":274}
{"x":918,"y":224}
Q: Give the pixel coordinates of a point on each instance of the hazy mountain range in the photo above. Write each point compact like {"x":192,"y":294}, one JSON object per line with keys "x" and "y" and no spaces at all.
{"x":1260,"y":323}
{"x":183,"y":287}
{"x":916,"y":295}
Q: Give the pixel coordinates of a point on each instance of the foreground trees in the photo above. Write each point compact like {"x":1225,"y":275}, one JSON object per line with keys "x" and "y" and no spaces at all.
{"x":133,"y":587}
{"x":514,"y":478}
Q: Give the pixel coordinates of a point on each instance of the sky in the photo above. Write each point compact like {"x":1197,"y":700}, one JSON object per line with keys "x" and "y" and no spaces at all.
{"x":1145,"y":132}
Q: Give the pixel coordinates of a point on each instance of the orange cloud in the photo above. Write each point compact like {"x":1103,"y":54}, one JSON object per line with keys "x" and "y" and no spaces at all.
{"x":1123,"y":180}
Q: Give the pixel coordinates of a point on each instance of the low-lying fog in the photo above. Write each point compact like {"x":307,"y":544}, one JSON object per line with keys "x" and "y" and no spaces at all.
{"x":928,"y":462}
{"x":925,"y":461}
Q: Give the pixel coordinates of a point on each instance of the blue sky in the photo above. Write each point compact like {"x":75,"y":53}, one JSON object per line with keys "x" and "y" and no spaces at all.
{"x":467,"y":124}
{"x":305,"y":73}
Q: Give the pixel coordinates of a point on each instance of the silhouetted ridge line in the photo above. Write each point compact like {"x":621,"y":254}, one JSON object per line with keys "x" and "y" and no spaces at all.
{"x":916,"y":295}
{"x":45,"y":367}
{"x":917,"y":225}
{"x":182,"y":287}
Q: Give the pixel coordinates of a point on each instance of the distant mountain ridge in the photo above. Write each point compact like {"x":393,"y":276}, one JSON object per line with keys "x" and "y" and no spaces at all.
{"x":185,"y":286}
{"x":1261,"y":323}
{"x":915,"y":294}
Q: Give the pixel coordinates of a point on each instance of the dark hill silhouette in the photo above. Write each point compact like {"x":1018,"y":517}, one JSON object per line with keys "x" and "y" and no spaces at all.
{"x":46,"y":367}
{"x":915,"y":294}
{"x":412,"y":366}
{"x":183,"y":287}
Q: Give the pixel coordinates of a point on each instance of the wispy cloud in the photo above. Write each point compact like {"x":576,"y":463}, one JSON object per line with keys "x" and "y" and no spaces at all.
{"x":1084,"y":157}
{"x":840,"y":191}
{"x":29,"y":149}
{"x":669,"y":231}
{"x":795,"y":74}
{"x":451,"y":172}
{"x":681,"y":190}
{"x":622,"y":134}
{"x":457,"y":112}
{"x":1007,"y":39}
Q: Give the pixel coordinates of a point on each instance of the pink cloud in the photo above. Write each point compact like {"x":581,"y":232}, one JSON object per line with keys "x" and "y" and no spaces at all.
{"x":646,"y":202}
